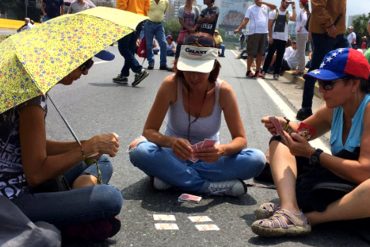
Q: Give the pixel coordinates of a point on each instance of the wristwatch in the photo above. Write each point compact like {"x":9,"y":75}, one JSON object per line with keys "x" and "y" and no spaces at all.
{"x":315,"y":157}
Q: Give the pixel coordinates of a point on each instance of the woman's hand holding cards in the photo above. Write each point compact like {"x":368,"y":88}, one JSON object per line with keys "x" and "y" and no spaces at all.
{"x":182,"y":148}
{"x":210,"y":154}
{"x":298,"y":145}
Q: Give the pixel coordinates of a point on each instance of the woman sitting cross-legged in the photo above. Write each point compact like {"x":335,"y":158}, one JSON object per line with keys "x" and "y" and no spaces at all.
{"x":314,"y":186}
{"x":194,"y":98}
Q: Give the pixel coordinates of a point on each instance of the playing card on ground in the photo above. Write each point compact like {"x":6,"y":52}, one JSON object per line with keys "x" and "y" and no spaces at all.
{"x":166,"y":226}
{"x":207,"y":227}
{"x":164,"y":217}
{"x":200,"y":218}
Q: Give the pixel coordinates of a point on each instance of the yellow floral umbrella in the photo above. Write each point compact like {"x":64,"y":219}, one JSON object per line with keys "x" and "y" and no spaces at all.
{"x":33,"y":61}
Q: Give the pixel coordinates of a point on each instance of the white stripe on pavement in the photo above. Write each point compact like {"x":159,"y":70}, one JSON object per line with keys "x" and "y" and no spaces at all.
{"x":283,"y":106}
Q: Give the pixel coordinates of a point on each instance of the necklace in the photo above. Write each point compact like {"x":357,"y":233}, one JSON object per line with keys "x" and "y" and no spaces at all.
{"x":197,"y":115}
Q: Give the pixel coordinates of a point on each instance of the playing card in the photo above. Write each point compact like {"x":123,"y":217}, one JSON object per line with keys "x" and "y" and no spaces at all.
{"x":199,"y":219}
{"x":277,"y":125}
{"x":207,"y":227}
{"x":185,"y":197}
{"x":166,"y":226}
{"x":207,"y":143}
{"x":164,"y":217}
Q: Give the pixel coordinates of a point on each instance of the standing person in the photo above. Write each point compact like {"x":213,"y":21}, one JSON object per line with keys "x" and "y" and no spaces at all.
{"x":302,"y":35}
{"x":80,"y":5}
{"x":327,"y":26}
{"x":219,"y":43}
{"x":127,"y":45}
{"x":351,"y":38}
{"x":51,"y":9}
{"x":194,"y":99}
{"x":154,"y":28}
{"x":278,"y":36}
{"x":188,"y":17}
{"x":29,"y":163}
{"x":299,"y":170}
{"x":257,"y":17}
{"x":207,"y":21}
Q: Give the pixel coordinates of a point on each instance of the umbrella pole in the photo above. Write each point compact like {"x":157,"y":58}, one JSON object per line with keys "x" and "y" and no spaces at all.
{"x":65,"y":121}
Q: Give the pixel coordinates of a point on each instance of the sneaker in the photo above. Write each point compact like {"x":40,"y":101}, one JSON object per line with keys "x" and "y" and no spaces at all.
{"x":303,"y":113}
{"x":227,"y":188}
{"x":249,"y":74}
{"x":139,"y":77}
{"x":261,"y":74}
{"x":276,"y":76}
{"x":98,"y":230}
{"x":164,"y":67}
{"x":151,"y":66}
{"x":120,"y":79}
{"x":160,"y":185}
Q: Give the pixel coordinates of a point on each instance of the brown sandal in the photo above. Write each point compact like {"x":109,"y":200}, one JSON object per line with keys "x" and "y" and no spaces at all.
{"x":282,"y":223}
{"x":266,"y":210}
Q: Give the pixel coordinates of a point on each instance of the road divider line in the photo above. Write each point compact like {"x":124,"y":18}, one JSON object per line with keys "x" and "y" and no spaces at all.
{"x":285,"y":109}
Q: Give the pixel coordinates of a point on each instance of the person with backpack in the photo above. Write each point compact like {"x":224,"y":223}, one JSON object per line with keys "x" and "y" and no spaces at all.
{"x":127,"y":45}
{"x":278,"y":36}
{"x":301,"y":29}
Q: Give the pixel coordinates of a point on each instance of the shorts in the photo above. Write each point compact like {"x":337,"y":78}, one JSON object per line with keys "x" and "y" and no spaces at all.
{"x":256,"y":44}
{"x":316,"y":186}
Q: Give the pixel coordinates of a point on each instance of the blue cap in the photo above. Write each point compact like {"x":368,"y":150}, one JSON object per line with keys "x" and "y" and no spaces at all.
{"x":340,"y":63}
{"x":105,"y":55}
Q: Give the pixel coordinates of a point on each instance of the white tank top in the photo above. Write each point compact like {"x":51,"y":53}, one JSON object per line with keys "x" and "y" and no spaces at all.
{"x":204,"y":127}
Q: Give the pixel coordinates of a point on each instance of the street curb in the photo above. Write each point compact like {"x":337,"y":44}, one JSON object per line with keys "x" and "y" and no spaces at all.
{"x":299,"y":80}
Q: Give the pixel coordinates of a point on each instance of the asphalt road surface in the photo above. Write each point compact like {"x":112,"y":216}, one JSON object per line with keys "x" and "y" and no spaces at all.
{"x":95,"y":105}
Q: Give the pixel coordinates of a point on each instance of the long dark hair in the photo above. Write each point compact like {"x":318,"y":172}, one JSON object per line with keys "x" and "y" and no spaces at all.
{"x":307,"y":8}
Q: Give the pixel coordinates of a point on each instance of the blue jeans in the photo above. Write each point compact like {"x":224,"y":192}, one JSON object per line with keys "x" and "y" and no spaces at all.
{"x":322,"y":44}
{"x":127,"y":48}
{"x":195,"y":177}
{"x":222,"y":47}
{"x":151,"y":30}
{"x":77,"y":205}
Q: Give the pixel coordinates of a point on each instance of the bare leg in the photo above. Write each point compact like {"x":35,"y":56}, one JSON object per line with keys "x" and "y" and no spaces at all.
{"x":284,"y":172}
{"x":249,"y":62}
{"x":354,"y":205}
{"x":259,"y":61}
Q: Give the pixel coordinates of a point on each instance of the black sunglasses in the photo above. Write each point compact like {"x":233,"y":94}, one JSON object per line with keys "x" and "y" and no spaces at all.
{"x":86,"y":65}
{"x":329,"y":85}
{"x":199,"y":41}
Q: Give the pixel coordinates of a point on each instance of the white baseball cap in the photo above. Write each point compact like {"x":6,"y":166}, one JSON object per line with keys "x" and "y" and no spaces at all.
{"x":197,"y":58}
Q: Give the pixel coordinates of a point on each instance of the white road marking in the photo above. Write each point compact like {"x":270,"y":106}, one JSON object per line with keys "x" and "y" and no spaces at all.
{"x":164,"y":217}
{"x":284,"y":108}
{"x":198,"y":219}
{"x":207,"y":227}
{"x":166,"y":226}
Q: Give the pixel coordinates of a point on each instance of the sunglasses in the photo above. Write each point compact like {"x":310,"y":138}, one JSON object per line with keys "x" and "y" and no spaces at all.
{"x":328,"y":85}
{"x":86,"y":65}
{"x":199,"y":41}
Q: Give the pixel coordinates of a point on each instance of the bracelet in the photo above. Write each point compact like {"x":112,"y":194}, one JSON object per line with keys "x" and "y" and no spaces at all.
{"x":286,"y":125}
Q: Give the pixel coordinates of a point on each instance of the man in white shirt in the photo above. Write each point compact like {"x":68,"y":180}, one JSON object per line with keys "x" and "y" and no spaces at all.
{"x":278,"y":35}
{"x":351,"y":37}
{"x":257,"y":18}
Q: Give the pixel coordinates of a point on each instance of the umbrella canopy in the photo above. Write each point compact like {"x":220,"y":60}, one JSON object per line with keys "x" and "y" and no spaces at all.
{"x":33,"y":61}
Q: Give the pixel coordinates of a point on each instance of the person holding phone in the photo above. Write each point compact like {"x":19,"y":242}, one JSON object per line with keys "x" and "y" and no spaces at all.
{"x":302,"y":173}
{"x":194,"y":99}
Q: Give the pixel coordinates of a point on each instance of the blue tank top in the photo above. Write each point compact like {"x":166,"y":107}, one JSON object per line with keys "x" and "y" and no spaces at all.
{"x":204,"y":127}
{"x":354,"y":137}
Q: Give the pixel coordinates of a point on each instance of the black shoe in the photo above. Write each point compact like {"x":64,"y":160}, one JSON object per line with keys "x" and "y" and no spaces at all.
{"x":120,"y":79}
{"x":139,"y":77}
{"x":303,"y":113}
{"x":151,"y":66}
{"x":166,"y":68}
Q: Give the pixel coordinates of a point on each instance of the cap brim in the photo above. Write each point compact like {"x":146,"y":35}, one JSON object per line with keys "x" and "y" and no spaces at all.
{"x":192,"y":65}
{"x":325,"y":75}
{"x":105,"y":55}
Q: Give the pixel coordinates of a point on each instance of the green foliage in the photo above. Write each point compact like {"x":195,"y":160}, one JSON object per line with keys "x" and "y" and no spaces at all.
{"x":360,"y":25}
{"x":172,"y":27}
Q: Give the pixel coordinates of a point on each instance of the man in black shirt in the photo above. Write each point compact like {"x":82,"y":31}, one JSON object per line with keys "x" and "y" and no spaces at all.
{"x":208,"y":18}
{"x":51,"y":9}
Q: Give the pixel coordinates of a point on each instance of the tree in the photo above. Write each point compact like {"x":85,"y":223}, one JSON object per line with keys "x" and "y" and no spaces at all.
{"x":14,"y":8}
{"x":360,"y":26}
{"x":172,"y":27}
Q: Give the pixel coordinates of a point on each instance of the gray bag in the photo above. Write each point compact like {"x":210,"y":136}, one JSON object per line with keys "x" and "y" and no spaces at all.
{"x":17,"y":230}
